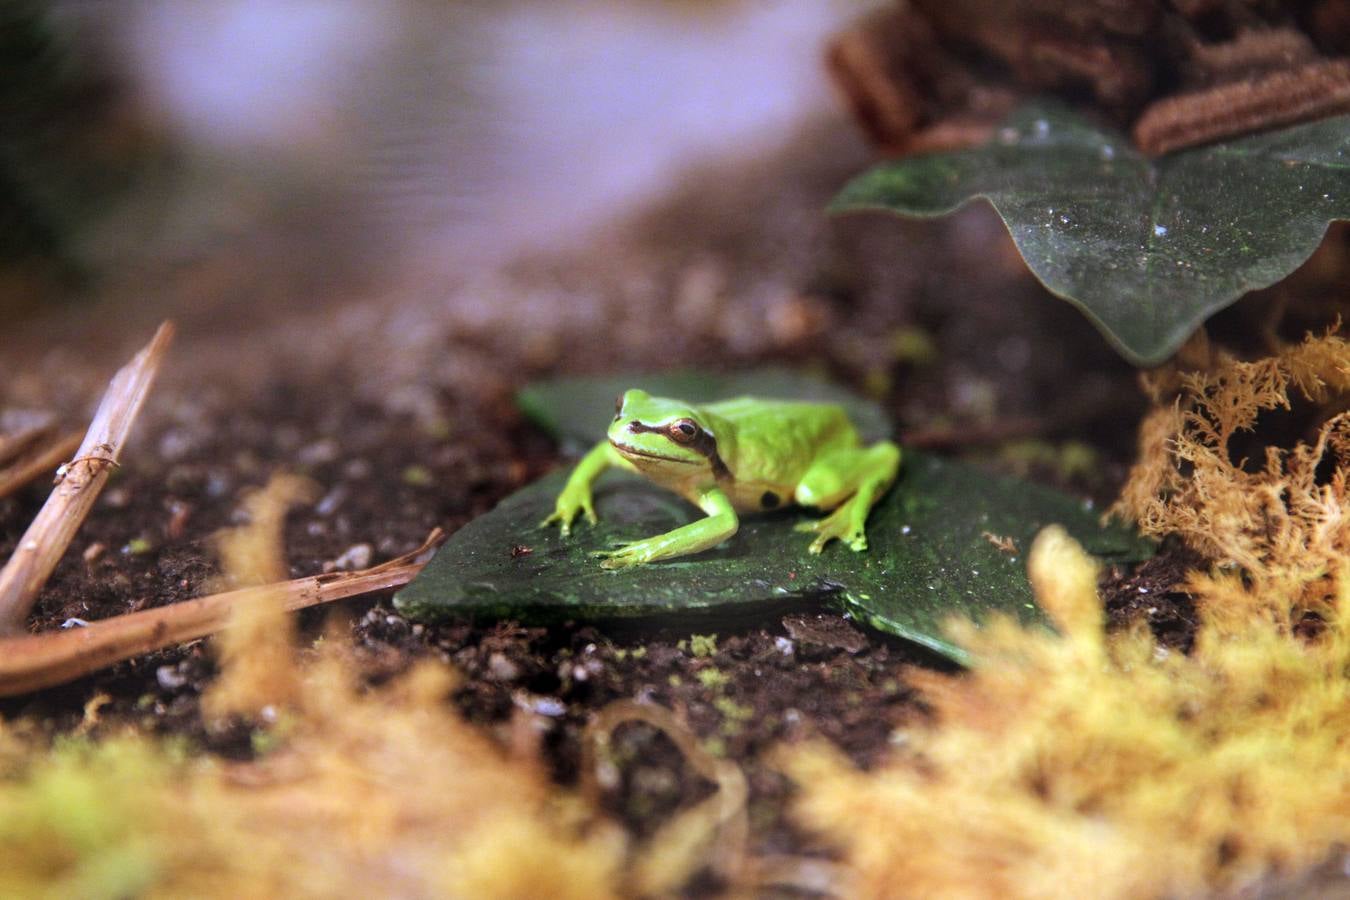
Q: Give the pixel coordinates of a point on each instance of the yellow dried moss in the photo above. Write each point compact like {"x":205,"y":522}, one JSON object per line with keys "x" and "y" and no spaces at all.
{"x":364,"y":793}
{"x":1282,"y":518}
{"x":368,"y":794}
{"x":1078,"y":765}
{"x":255,"y":651}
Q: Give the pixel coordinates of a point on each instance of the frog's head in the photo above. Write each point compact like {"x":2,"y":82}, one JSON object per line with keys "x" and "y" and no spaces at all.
{"x":664,"y":439}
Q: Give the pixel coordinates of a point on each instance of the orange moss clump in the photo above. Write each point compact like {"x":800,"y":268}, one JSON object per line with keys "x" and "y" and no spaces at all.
{"x":1082,"y":765}
{"x":1283,"y":519}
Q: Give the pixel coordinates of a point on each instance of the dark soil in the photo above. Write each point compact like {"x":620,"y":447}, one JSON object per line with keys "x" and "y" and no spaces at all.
{"x":400,"y":409}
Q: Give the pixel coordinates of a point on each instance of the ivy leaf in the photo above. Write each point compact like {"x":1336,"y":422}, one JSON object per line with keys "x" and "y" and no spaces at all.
{"x":1146,"y":248}
{"x":932,"y":553}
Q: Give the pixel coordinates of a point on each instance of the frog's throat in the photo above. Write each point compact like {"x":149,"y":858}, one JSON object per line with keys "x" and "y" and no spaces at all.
{"x":633,"y":451}
{"x":705,"y":444}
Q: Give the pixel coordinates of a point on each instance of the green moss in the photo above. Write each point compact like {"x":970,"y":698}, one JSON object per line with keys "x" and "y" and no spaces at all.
{"x":913,"y":346}
{"x":713,"y":679}
{"x":733,"y":711}
{"x":703,"y":645}
{"x":74,"y":826}
{"x":417,"y":476}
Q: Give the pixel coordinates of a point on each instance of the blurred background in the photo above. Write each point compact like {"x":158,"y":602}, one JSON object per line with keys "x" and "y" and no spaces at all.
{"x":409,"y":203}
{"x":341,"y":139}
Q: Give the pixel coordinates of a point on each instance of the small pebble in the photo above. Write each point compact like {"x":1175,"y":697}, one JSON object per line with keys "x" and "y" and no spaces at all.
{"x":502,"y":669}
{"x":175,"y":444}
{"x":218,"y":484}
{"x":548,"y":706}
{"x":321,"y":451}
{"x":331,"y":501}
{"x":354,"y":557}
{"x":170,"y":678}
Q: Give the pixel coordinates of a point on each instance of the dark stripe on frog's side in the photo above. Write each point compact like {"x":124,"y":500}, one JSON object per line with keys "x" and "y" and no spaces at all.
{"x":703,"y":444}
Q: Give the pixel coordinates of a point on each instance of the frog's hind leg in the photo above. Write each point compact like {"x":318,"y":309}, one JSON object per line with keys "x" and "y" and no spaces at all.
{"x":849,"y":482}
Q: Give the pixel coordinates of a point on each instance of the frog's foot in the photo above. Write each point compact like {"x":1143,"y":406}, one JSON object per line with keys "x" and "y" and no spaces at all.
{"x":626,"y":555}
{"x":566,"y":512}
{"x":842,"y":524}
{"x":720,"y":524}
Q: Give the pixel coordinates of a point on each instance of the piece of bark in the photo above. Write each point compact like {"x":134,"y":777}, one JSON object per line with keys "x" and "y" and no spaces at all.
{"x":1282,"y":97}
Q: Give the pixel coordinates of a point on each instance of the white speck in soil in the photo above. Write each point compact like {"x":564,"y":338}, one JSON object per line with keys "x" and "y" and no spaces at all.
{"x":502,"y":669}
{"x":357,"y":556}
{"x":331,"y":501}
{"x":169,"y":678}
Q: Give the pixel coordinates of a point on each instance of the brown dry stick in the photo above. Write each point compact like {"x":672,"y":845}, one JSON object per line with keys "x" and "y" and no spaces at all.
{"x":43,"y":660}
{"x":22,"y":433}
{"x":38,"y":461}
{"x":78,"y":485}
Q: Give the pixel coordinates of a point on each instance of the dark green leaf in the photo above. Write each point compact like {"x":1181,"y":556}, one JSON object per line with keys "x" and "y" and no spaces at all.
{"x":929,"y":559}
{"x":930,"y":556}
{"x":1147,"y":249}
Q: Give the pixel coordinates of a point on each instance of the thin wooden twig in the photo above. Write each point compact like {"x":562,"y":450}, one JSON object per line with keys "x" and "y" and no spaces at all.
{"x":43,"y":660}
{"x":33,"y":428}
{"x":50,"y":534}
{"x":38,"y":462}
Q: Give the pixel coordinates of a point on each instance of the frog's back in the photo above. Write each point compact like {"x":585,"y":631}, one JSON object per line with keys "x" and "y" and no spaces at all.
{"x":777,"y":440}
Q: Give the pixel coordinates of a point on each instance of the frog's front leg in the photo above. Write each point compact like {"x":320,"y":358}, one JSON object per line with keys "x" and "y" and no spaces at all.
{"x":850,"y":482}
{"x":720,"y":524}
{"x":575,"y":497}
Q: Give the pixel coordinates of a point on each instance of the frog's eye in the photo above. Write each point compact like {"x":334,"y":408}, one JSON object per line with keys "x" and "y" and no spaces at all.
{"x":682,"y":431}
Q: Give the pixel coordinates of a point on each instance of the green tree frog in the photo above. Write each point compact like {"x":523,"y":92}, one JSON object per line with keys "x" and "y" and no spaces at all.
{"x":735,"y":456}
